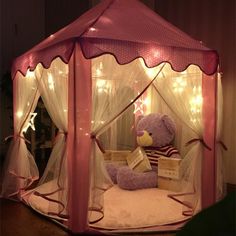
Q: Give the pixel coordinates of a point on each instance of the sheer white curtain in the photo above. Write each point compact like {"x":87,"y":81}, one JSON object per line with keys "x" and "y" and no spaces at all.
{"x":180,"y":95}
{"x":115,"y":87}
{"x":20,"y":169}
{"x":53,"y":87}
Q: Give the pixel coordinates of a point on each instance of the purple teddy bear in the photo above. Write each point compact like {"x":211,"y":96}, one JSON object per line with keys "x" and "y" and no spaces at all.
{"x":155,"y":133}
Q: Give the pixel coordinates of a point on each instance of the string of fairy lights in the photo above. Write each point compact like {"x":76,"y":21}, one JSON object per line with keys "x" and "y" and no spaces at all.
{"x":142,"y":105}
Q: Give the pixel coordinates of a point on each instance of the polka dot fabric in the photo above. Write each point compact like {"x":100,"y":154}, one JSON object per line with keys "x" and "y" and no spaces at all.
{"x":126,"y":29}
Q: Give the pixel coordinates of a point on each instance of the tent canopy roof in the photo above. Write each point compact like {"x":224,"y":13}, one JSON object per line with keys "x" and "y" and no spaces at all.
{"x":127,"y":30}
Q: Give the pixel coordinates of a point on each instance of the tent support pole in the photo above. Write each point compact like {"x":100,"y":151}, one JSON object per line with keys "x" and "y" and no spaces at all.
{"x":79,"y":141}
{"x":209,"y":91}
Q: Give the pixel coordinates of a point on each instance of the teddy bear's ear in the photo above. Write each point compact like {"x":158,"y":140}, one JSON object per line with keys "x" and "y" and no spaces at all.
{"x":169,"y":123}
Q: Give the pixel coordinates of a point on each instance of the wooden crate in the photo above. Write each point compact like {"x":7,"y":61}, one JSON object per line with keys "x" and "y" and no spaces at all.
{"x":169,"y":174}
{"x":169,"y":167}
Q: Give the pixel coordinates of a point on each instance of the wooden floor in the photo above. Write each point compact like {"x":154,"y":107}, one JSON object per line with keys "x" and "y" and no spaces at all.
{"x":16,"y":219}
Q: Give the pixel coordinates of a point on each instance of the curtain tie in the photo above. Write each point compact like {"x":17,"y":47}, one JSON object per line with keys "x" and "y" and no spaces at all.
{"x":30,"y":179}
{"x":94,"y":137}
{"x":17,"y":136}
{"x":190,"y":208}
{"x":56,"y":137}
{"x":62,"y":132}
{"x":45,"y":196}
{"x":198,"y":140}
{"x":223,"y":145}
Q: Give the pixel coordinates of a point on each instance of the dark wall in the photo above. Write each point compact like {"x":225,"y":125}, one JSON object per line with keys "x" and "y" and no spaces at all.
{"x":21,"y":27}
{"x":213,"y":22}
{"x":59,"y":13}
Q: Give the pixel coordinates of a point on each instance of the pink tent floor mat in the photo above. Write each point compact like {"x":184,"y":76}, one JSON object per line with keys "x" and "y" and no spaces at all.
{"x":125,"y":209}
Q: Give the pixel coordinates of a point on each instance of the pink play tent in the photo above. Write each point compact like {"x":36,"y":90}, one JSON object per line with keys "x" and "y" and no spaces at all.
{"x":95,"y":76}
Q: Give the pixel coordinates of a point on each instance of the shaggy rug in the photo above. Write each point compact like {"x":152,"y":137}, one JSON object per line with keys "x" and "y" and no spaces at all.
{"x":125,"y":209}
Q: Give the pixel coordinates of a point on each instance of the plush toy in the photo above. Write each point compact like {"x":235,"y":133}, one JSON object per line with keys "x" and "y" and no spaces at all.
{"x":156,"y":130}
{"x":155,"y":134}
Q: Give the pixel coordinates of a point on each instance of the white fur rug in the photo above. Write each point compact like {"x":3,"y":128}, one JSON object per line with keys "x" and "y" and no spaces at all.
{"x":137,"y":209}
{"x":125,"y":209}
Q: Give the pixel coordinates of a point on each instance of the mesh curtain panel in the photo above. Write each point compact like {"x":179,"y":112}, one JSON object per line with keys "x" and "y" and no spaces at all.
{"x":20,"y":169}
{"x":53,"y":87}
{"x":180,"y":95}
{"x":115,"y":87}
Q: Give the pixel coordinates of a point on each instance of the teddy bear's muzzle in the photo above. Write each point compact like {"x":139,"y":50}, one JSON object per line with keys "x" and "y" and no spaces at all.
{"x":144,"y":139}
{"x":140,"y":133}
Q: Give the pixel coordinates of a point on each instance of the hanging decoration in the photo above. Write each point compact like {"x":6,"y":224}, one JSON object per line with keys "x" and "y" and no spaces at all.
{"x":196,"y":103}
{"x":50,"y":82}
{"x":19,"y":114}
{"x":179,"y":84}
{"x":103,"y":86}
{"x":141,"y":105}
{"x":31,"y":122}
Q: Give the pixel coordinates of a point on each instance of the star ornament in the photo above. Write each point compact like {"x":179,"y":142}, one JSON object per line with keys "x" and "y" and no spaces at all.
{"x":31,"y":122}
{"x":139,"y":107}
